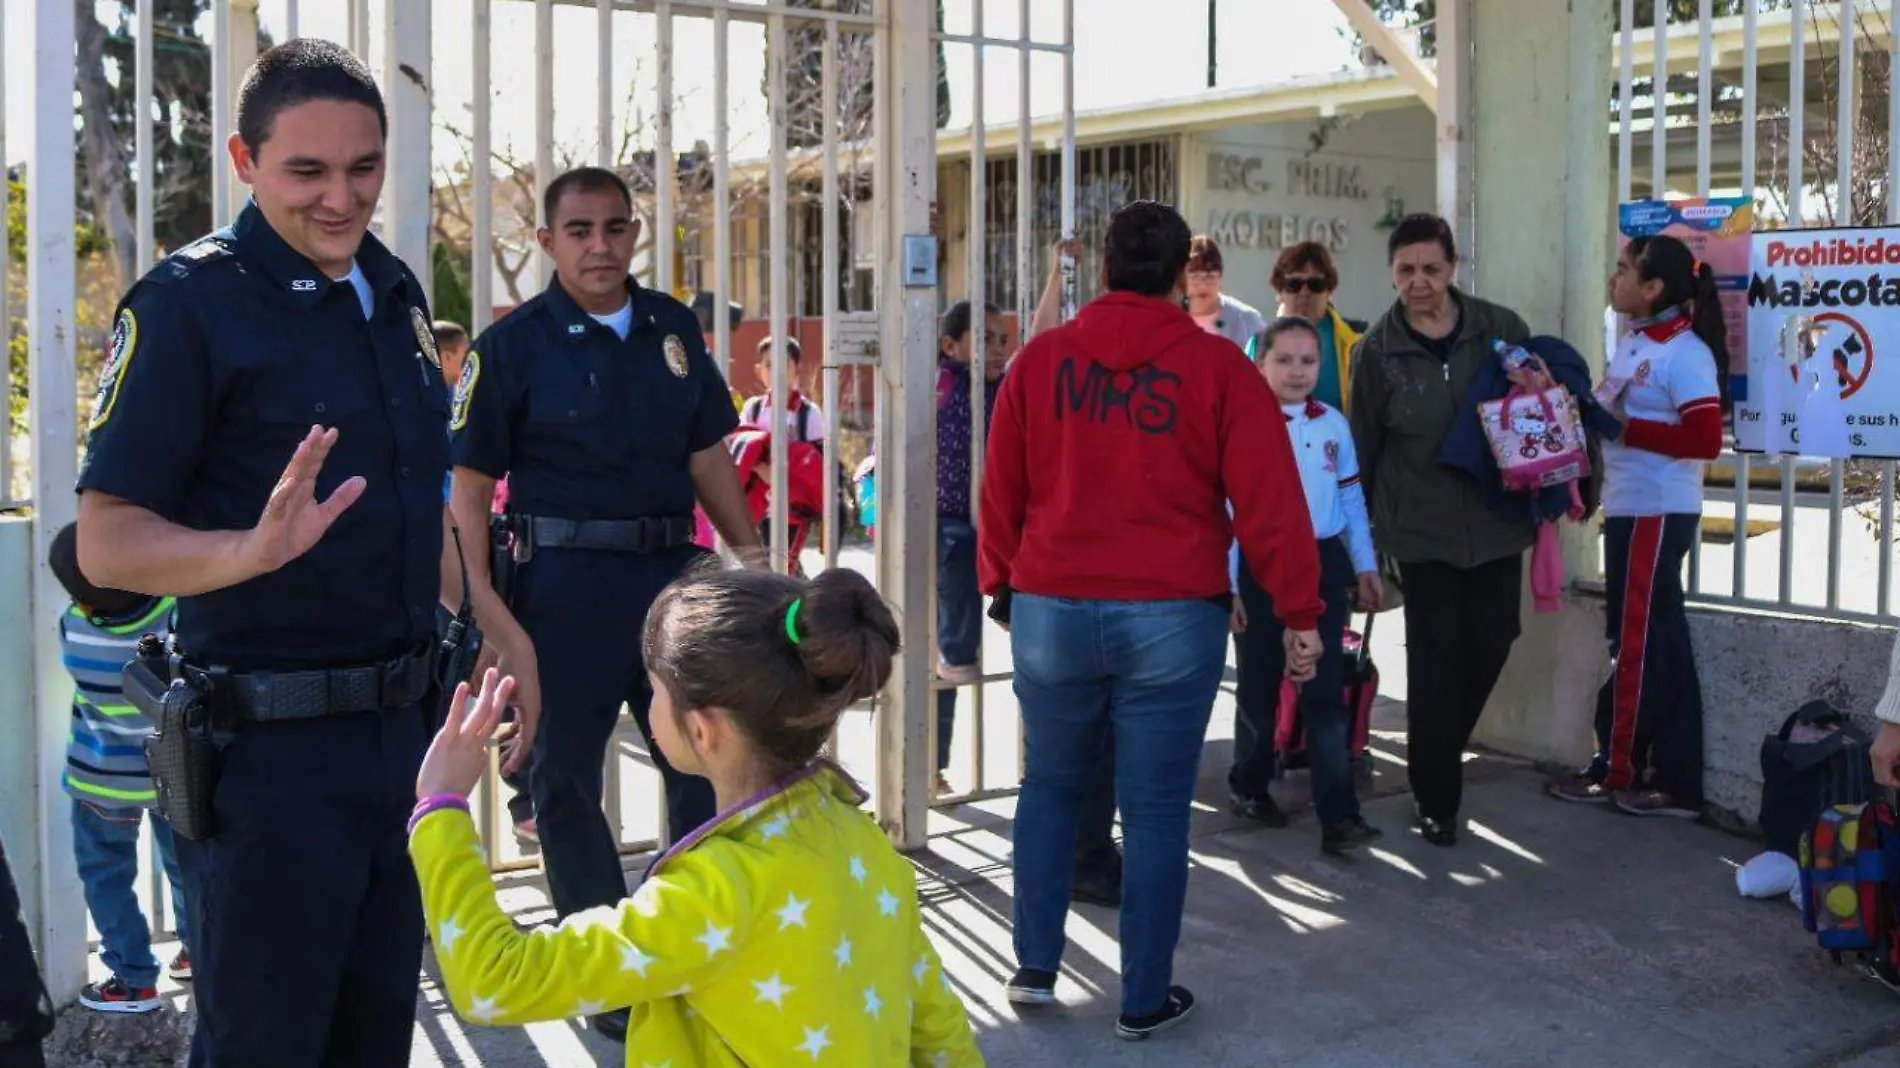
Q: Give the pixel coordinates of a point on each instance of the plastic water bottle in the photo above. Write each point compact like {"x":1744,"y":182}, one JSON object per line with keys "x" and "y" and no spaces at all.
{"x":1514,"y":356}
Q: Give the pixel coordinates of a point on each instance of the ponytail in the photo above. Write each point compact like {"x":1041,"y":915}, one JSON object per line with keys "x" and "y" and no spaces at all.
{"x":1690,"y":285}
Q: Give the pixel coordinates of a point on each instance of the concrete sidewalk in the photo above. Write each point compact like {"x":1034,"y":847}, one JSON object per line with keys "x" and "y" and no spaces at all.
{"x":1553,"y":935}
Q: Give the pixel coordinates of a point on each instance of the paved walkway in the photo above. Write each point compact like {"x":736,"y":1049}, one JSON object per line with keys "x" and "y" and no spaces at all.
{"x":1554,"y":935}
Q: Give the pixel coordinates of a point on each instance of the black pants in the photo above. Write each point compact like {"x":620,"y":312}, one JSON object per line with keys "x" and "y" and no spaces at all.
{"x":584,"y":611}
{"x":1260,"y":667}
{"x":1460,"y":624}
{"x":1095,"y":854}
{"x":1649,"y":713}
{"x":306,"y":917}
{"x":26,"y":1014}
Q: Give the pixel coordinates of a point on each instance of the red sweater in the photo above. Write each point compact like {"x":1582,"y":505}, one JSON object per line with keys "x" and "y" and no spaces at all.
{"x":1117,"y":441}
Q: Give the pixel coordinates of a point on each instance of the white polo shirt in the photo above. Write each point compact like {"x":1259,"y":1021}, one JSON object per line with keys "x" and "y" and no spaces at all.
{"x":1329,"y":475}
{"x":1659,"y":373}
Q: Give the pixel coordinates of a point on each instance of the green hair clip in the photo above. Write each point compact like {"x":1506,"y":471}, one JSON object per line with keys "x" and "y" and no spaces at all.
{"x":791,"y":621}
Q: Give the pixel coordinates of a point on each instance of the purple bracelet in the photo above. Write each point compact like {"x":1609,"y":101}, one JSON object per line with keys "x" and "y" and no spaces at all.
{"x":432,"y":803}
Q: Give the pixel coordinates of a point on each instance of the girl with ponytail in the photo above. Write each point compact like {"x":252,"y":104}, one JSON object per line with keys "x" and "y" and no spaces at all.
{"x":1667,"y":382}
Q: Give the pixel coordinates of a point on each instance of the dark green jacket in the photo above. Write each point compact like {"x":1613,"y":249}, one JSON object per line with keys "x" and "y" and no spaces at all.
{"x":1403,"y":401}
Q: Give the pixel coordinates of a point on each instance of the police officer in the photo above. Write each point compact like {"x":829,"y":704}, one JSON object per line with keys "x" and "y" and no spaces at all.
{"x":599,"y":403}
{"x":268,"y":444}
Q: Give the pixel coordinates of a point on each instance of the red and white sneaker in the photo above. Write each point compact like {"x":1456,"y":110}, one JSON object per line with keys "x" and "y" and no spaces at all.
{"x":180,"y":967}
{"x":114,"y":996}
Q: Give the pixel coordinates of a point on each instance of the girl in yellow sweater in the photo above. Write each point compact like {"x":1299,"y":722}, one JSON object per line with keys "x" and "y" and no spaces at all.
{"x":784,"y":932}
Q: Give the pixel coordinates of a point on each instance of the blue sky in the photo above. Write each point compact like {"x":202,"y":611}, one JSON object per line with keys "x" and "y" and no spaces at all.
{"x":1123,"y":55}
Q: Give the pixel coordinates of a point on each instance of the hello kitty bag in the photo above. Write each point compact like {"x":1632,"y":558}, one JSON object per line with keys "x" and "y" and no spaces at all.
{"x":1536,"y":437}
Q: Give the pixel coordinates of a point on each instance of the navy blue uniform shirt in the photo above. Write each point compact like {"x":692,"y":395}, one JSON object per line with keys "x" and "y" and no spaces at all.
{"x":586,"y":425}
{"x":223,"y":357}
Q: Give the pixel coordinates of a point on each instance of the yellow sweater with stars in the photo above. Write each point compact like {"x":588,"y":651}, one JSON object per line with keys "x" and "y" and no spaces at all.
{"x":786,"y":932}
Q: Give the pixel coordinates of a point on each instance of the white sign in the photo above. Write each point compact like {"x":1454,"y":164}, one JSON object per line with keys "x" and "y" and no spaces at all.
{"x":1823,"y":344}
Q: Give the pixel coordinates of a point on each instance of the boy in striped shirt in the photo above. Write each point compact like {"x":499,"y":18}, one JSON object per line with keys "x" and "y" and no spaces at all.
{"x":110,"y":782}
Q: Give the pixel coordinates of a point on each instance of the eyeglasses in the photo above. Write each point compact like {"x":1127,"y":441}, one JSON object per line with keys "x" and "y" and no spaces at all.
{"x":1311,"y":283}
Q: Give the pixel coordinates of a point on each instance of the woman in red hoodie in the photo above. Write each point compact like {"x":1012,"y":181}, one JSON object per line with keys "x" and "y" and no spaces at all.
{"x":1117,"y":441}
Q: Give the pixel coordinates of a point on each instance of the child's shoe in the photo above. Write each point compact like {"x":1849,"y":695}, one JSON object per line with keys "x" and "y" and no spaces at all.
{"x":1654,"y":803}
{"x":180,"y":967}
{"x":1031,"y":986}
{"x":114,"y":996}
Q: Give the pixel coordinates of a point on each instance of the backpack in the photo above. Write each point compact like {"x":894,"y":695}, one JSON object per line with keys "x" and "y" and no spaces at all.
{"x":1818,"y":759}
{"x":844,"y":508}
{"x":1850,"y":887}
{"x":1359,"y":677}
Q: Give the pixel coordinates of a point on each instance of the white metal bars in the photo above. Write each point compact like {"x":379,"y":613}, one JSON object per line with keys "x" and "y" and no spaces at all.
{"x":829,"y":281}
{"x":779,"y":526}
{"x":481,"y":272}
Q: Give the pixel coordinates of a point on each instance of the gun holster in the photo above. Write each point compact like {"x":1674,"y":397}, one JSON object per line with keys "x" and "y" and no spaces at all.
{"x":510,"y":544}
{"x":182,"y":751}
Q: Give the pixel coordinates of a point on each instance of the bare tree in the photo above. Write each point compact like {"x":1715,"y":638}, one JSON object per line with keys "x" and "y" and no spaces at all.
{"x":106,"y":165}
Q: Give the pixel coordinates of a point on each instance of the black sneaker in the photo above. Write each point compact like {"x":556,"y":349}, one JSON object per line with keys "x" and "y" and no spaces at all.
{"x":612,"y":1025}
{"x":1441,"y":833}
{"x":1261,"y":810}
{"x":1103,"y":890}
{"x":1031,"y":986}
{"x":1178,"y":1007}
{"x":1348,"y":835}
{"x":114,"y":995}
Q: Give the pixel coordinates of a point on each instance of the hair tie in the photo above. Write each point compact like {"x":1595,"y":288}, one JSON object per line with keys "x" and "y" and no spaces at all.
{"x":791,"y":621}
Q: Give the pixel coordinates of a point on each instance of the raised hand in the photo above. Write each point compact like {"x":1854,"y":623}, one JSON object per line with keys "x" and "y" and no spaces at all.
{"x":459,"y":754}
{"x":294,"y":520}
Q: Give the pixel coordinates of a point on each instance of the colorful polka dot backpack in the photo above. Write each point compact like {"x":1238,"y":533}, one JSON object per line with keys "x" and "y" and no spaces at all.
{"x":1850,"y":887}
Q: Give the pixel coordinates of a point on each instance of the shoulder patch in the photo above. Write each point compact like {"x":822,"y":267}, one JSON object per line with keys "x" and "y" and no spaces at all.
{"x":125,"y":340}
{"x":187,"y":260}
{"x":465,"y":389}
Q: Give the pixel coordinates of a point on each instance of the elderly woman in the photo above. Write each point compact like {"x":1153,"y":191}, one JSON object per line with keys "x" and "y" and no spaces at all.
{"x":1215,"y":311}
{"x":1305,"y":278}
{"x":1460,"y":565}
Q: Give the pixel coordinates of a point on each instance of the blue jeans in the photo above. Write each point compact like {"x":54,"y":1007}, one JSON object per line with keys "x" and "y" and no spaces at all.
{"x":1144,"y":672}
{"x":959,"y":616}
{"x":106,"y":844}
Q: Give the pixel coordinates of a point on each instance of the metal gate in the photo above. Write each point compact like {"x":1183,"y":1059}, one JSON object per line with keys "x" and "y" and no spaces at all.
{"x":893,"y":149}
{"x":1791,"y":101}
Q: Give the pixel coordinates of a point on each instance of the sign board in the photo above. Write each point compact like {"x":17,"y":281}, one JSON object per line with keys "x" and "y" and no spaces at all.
{"x":1717,"y":231}
{"x":1823,"y":336}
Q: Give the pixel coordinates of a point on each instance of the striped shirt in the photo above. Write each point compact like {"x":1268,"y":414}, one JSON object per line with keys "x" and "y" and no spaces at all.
{"x":105,"y":761}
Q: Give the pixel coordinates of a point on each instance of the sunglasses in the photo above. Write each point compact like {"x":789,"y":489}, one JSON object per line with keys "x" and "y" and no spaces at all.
{"x":1311,"y":285}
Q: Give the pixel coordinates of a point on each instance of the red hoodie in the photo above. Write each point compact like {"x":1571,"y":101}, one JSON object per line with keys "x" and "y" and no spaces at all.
{"x":1118,"y":439}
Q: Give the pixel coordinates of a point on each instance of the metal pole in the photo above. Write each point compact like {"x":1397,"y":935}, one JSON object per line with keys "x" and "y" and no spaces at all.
{"x":481,"y":268}
{"x":776,"y":300}
{"x":828,"y":92}
{"x":359,"y":28}
{"x":1744,"y":463}
{"x":1844,"y":215}
{"x":722,"y":195}
{"x":1026,"y":258}
{"x":977,"y":293}
{"x":1888,"y":469}
{"x":142,"y":139}
{"x":52,"y":413}
{"x":6,"y":311}
{"x":221,"y":177}
{"x":543,"y":123}
{"x":665,"y":164}
{"x":604,"y":70}
{"x":407,"y":70}
{"x":1797,"y":177}
{"x":1625,"y":104}
{"x":1659,"y":104}
{"x":1068,"y":156}
{"x":290,"y":20}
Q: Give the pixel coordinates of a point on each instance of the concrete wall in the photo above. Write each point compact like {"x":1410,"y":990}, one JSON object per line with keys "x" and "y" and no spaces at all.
{"x":19,"y":782}
{"x":1259,"y":188}
{"x":1755,"y":668}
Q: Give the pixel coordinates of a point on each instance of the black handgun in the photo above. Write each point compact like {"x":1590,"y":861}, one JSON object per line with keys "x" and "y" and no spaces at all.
{"x":182,"y":754}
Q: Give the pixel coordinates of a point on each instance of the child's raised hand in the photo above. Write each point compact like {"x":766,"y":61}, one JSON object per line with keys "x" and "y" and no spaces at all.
{"x":459,"y":754}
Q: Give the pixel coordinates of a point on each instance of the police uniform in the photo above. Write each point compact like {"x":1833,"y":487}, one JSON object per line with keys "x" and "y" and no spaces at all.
{"x":309,"y":927}
{"x":594,"y":433}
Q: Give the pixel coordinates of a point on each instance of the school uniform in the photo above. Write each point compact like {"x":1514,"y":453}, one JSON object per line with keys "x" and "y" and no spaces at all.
{"x":1662,"y":383}
{"x":1329,"y":475}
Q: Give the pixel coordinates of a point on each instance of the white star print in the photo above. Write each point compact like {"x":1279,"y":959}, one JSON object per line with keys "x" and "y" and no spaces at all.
{"x":815,"y":1041}
{"x":941,"y":1060}
{"x":587,"y":1008}
{"x":447,"y":935}
{"x":632,"y":960}
{"x":857,"y":870}
{"x":772,"y":990}
{"x":793,"y":914}
{"x":774,"y":827}
{"x":646,"y":900}
{"x":886,"y":904}
{"x":716,"y":939}
{"x":917,"y":970}
{"x":843,"y":952}
{"x":483,"y":1010}
{"x":872,"y":1005}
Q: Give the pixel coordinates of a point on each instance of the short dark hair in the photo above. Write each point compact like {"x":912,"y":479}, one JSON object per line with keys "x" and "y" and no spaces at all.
{"x":792,"y":349}
{"x":63,"y":558}
{"x":1204,"y":255}
{"x":1285,"y":324}
{"x":956,"y":321}
{"x":1420,"y":229}
{"x":1146,"y":248}
{"x":1307,"y":254}
{"x":582,"y":180}
{"x":780,"y":656}
{"x":297,"y":72}
{"x":448,"y":333}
